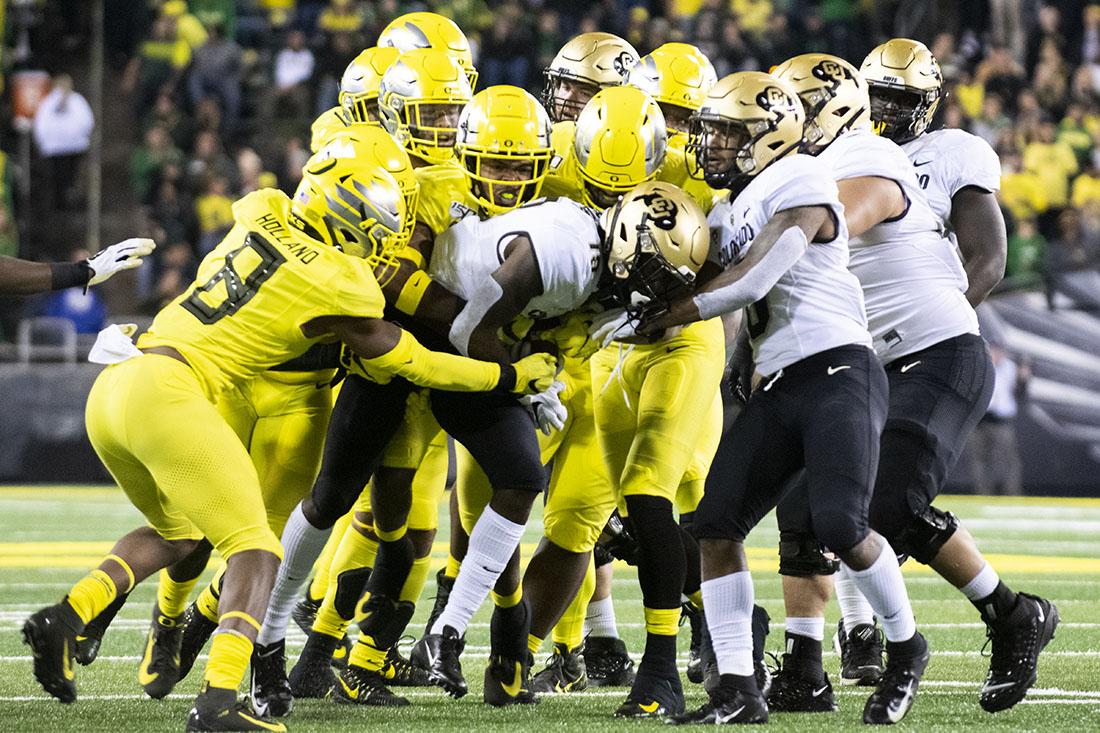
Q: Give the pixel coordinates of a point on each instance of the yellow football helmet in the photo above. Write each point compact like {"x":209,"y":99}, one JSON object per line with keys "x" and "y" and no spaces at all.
{"x":430,"y":30}
{"x":656,"y":238}
{"x":833,"y":94}
{"x":420,"y":99}
{"x":351,"y":201}
{"x":619,"y":143}
{"x":585,"y":65}
{"x":748,"y":120}
{"x":906,"y":86}
{"x":360,"y":82}
{"x":678,"y":76}
{"x":332,"y":121}
{"x":503,"y":143}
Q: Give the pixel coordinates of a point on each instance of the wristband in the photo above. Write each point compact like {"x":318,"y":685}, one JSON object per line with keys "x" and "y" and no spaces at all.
{"x":412,"y":292}
{"x":69,"y":274}
{"x":507,"y":382}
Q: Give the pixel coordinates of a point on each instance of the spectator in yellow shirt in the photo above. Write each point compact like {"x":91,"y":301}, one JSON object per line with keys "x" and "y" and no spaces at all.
{"x":1022,"y":192}
{"x":1086,"y":189}
{"x":1053,"y":162}
{"x":214,"y":211}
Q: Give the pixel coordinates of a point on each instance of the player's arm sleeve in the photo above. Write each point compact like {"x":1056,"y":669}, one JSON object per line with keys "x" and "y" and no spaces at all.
{"x":21,"y":277}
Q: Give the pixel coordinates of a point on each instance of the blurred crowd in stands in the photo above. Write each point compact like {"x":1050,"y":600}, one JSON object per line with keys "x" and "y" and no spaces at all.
{"x":222,"y":92}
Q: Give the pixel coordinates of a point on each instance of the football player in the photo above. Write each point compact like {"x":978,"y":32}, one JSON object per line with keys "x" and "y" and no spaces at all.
{"x":782,"y":240}
{"x":430,"y":30}
{"x":285,"y":283}
{"x":22,"y":277}
{"x":586,"y":64}
{"x":358,"y":100}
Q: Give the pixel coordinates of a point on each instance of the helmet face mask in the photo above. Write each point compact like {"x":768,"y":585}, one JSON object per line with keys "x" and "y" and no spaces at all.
{"x":720,"y":151}
{"x":906,"y":86}
{"x":585,"y":65}
{"x":360,"y":82}
{"x":565,"y":97}
{"x":900,"y":114}
{"x":505,"y":182}
{"x":833,"y":94}
{"x":420,"y":100}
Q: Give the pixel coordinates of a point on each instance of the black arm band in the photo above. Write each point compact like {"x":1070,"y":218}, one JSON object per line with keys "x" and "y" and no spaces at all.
{"x":507,"y":383}
{"x":69,"y":274}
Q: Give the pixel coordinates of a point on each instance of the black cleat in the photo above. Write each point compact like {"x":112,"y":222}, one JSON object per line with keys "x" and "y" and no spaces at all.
{"x":607,"y":663}
{"x":159,"y":670}
{"x":305,"y":611}
{"x":564,"y":672}
{"x":791,"y":692}
{"x":87,"y":649}
{"x":726,"y":706}
{"x":217,"y":709}
{"x":312,"y":676}
{"x":90,"y":640}
{"x":269,"y":689}
{"x":860,"y":654}
{"x":507,"y":682}
{"x":653,"y":696}
{"x":761,"y":627}
{"x":897,"y":689}
{"x":51,"y":635}
{"x":400,"y":672}
{"x":197,"y":629}
{"x":361,"y":686}
{"x":1017,"y":642}
{"x":696,"y":620}
{"x":443,"y":586}
{"x":443,"y":652}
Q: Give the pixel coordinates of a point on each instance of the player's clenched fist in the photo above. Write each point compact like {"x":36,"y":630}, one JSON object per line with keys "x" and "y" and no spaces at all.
{"x":535,"y":373}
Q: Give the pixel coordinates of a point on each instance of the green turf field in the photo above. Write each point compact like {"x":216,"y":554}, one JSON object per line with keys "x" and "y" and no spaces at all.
{"x":49,"y":536}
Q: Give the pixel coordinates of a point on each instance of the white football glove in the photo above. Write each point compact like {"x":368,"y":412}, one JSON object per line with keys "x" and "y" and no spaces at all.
{"x":612,"y":325}
{"x":547,"y":408}
{"x":122,"y":256}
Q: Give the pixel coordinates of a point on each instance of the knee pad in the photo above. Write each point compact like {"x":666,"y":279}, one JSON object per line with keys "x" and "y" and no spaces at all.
{"x":802,"y":555}
{"x":925,"y":534}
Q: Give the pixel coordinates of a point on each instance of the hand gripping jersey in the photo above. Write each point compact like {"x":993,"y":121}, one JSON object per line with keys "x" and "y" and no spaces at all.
{"x":254,"y":292}
{"x":445,"y":195}
{"x":913,"y":281}
{"x":817,"y":304}
{"x":947,"y":161}
{"x":566,"y":242}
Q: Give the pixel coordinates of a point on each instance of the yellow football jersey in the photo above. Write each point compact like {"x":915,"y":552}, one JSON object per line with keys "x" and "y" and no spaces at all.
{"x":255,"y":291}
{"x":332,"y":120}
{"x":564,"y":178}
{"x":445,"y":195}
{"x":674,"y":170}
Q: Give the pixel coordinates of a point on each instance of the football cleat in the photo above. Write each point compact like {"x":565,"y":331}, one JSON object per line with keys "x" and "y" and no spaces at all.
{"x":51,"y":635}
{"x":726,"y":707}
{"x":1017,"y":642}
{"x":159,"y":670}
{"x":860,"y":654}
{"x":695,"y":619}
{"x":269,"y":689}
{"x":443,"y":652}
{"x":401,"y":672}
{"x":196,"y":631}
{"x":361,"y":686}
{"x":897,"y":689}
{"x":305,"y":611}
{"x":791,"y":692}
{"x":507,"y":682}
{"x":653,"y":696}
{"x":607,"y":663}
{"x":217,"y":709}
{"x":762,"y":674}
{"x":89,"y":641}
{"x":443,"y":586}
{"x":564,"y":672}
{"x":312,"y":676}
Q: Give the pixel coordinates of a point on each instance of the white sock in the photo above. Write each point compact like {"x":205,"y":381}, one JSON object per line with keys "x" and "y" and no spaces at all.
{"x":492,"y":543}
{"x":884,"y":588}
{"x":728,"y":603}
{"x":599,"y":620}
{"x":302,"y":545}
{"x":983,"y":584}
{"x":811,"y":628}
{"x":854,"y":608}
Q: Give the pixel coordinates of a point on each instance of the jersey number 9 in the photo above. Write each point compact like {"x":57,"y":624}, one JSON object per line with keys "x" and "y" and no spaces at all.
{"x":245,"y":270}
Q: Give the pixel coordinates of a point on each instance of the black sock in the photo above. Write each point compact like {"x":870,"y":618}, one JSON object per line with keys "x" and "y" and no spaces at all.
{"x":508,"y":630}
{"x":660,"y":655}
{"x":912,"y":647}
{"x":803,"y":656}
{"x":761,"y":626}
{"x":391,"y":567}
{"x":729,"y":683}
{"x":997,"y":605}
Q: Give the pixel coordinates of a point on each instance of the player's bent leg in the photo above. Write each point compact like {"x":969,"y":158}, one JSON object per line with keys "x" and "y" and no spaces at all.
{"x":565,"y":670}
{"x":306,"y":609}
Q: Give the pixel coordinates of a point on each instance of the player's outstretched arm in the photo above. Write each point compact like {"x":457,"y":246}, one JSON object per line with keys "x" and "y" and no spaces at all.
{"x":870,"y":200}
{"x":21,"y":277}
{"x":385,"y":347}
{"x":980,"y":230}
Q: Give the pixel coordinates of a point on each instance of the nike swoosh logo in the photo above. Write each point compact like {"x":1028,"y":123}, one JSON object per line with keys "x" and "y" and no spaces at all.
{"x":516,"y":687}
{"x":833,"y":370}
{"x":1001,"y":686}
{"x":731,"y":716}
{"x":67,"y":662}
{"x":670,"y":349}
{"x":923,"y":162}
{"x":651,"y":707}
{"x":898,"y":710}
{"x":1042,"y":616}
{"x":353,"y":693}
{"x":818,"y":693}
{"x":144,"y":678}
{"x":907,"y":367}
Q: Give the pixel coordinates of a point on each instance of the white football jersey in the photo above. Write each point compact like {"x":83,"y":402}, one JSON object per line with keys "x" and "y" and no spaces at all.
{"x":949,"y":160}
{"x":565,"y":238}
{"x":913,"y":281}
{"x":817,"y":304}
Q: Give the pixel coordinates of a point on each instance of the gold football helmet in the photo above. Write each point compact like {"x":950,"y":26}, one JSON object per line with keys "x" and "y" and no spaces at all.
{"x":420,"y":99}
{"x":833,"y":94}
{"x":503,"y":143}
{"x":619,"y":143}
{"x":748,"y":120}
{"x":585,"y":65}
{"x":656,"y":238}
{"x":906,"y":86}
{"x":430,"y":30}
{"x":351,"y":201}
{"x":678,"y":76}
{"x":360,"y":82}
